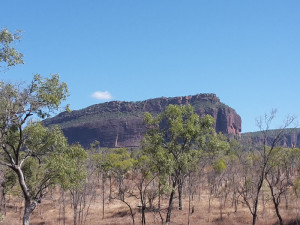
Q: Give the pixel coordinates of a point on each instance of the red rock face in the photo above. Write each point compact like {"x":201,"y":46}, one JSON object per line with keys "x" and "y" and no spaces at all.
{"x":120,"y":124}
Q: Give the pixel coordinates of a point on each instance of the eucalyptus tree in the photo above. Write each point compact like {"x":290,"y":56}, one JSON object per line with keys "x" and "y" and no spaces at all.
{"x":143,"y":178}
{"x":174,"y":138}
{"x":72,"y":175}
{"x":279,"y":176}
{"x":9,"y":56}
{"x":120,"y":163}
{"x":256,"y":163}
{"x":24,"y":143}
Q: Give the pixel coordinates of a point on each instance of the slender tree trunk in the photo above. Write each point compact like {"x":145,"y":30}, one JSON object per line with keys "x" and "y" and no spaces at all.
{"x":180,"y":184}
{"x":143,"y":215}
{"x":189,"y":206}
{"x":277,"y":213}
{"x":110,"y":189}
{"x":3,"y":201}
{"x":159,"y":195}
{"x":286,"y":201}
{"x":235,"y":202}
{"x":254,"y":216}
{"x":75,"y":213}
{"x":168,"y":218}
{"x":260,"y":183}
{"x":131,"y":212}
{"x":221,"y":208}
{"x":103,"y":195}
{"x":275,"y":202}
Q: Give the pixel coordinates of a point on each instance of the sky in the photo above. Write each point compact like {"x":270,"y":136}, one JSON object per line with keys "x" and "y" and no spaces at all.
{"x":246,"y":52}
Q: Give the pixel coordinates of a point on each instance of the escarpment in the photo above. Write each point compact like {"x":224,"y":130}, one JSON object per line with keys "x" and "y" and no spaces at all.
{"x":120,"y":124}
{"x":289,"y":138}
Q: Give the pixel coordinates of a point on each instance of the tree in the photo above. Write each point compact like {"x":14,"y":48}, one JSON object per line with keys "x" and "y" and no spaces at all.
{"x":279,"y":177}
{"x":24,"y":143}
{"x":175,"y":134}
{"x":70,"y":172}
{"x":257,"y":162}
{"x":9,"y":56}
{"x":120,"y":163}
{"x":144,"y":175}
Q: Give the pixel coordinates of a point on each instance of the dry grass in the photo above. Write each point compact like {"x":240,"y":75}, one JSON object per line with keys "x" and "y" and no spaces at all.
{"x":117,"y":213}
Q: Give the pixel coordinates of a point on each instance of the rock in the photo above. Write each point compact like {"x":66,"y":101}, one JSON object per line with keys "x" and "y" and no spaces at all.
{"x":120,"y":124}
{"x":290,"y":137}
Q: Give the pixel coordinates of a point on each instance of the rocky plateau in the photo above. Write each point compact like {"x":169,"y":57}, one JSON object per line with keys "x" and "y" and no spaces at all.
{"x":120,"y":124}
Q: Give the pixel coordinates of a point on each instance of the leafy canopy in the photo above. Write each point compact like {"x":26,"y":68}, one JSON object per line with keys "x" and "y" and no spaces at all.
{"x":8,"y":54}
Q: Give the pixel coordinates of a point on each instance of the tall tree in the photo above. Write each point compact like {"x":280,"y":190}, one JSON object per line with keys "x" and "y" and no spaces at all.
{"x":174,"y":135}
{"x":24,"y":143}
{"x":279,"y":177}
{"x":257,"y":163}
{"x":120,"y":163}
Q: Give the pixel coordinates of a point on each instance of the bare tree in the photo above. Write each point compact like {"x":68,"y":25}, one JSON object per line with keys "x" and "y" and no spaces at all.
{"x":256,"y":163}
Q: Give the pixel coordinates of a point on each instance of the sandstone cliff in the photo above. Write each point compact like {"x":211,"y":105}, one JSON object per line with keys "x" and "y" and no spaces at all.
{"x":120,"y":124}
{"x":290,"y":139}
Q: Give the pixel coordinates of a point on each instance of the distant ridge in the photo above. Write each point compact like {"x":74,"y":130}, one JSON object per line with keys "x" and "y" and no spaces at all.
{"x":120,"y":123}
{"x":291,"y":137}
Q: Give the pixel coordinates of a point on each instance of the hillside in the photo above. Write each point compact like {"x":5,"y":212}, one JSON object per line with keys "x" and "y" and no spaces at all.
{"x":291,"y":137}
{"x":120,"y":124}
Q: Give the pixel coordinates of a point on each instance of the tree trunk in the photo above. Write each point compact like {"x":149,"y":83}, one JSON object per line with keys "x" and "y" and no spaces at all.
{"x":75,"y":213}
{"x":235,"y":203}
{"x":131,"y":212}
{"x":254,"y":216}
{"x":180,"y":184}
{"x":103,"y":194}
{"x":189,"y":214}
{"x":27,"y":213}
{"x":3,"y":202}
{"x":29,"y":207}
{"x":143,"y":215}
{"x":275,"y":202}
{"x":110,"y":189}
{"x":159,"y":195}
{"x":278,"y":214}
{"x":168,"y":218}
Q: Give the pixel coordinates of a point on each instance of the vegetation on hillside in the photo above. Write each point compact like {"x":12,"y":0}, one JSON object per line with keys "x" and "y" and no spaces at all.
{"x":182,"y":157}
{"x":121,"y":110}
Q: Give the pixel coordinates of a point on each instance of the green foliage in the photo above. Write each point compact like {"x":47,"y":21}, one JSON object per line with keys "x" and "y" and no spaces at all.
{"x":117,"y":161}
{"x":219,"y":166}
{"x":171,"y":139}
{"x":49,"y":92}
{"x":125,"y":111}
{"x":296,"y":187}
{"x":42,"y":141}
{"x":10,"y":181}
{"x":68,"y":167}
{"x":8,"y":54}
{"x":37,"y":156}
{"x":34,"y":173}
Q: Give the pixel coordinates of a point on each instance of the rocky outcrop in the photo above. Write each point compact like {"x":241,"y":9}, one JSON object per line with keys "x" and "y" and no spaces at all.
{"x":120,"y":124}
{"x":290,"y":138}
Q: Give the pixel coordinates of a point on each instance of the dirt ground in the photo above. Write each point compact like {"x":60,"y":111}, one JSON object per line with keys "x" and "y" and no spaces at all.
{"x":117,"y":213}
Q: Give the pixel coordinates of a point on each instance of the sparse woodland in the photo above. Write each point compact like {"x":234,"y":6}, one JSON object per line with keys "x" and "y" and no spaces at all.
{"x":183,"y":168}
{"x":184,"y":172}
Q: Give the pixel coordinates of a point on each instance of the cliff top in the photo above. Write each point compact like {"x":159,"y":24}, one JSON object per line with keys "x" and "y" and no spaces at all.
{"x":121,"y":109}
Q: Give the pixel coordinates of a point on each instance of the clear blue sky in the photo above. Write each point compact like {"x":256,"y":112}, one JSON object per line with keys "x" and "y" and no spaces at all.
{"x":245,"y":51}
